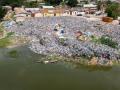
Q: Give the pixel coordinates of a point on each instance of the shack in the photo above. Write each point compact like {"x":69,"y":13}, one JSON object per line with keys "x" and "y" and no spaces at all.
{"x":90,"y":8}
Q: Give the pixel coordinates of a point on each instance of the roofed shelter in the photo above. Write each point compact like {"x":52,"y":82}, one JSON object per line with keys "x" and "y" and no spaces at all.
{"x":52,"y":11}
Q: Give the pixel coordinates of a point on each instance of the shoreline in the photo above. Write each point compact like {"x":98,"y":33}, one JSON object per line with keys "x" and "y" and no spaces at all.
{"x":75,"y":60}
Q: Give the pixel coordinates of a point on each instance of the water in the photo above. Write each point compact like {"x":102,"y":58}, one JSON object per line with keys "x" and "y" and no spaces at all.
{"x":23,"y":73}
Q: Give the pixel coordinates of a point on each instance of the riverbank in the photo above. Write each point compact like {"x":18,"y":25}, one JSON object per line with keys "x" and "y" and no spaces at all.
{"x":12,"y":41}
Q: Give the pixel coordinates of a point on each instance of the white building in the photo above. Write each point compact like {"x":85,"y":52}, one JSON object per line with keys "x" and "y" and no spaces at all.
{"x":90,"y":8}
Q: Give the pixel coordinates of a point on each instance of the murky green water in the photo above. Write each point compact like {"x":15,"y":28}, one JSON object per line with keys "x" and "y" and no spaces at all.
{"x":23,"y":73}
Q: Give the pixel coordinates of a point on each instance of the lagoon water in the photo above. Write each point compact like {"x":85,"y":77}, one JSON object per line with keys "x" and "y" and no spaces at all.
{"x":23,"y":73}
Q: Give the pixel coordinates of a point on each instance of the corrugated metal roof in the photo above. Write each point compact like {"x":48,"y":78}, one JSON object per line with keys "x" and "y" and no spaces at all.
{"x":47,"y":7}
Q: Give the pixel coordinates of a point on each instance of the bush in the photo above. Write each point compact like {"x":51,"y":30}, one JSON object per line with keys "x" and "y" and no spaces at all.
{"x":108,"y":41}
{"x":72,"y":3}
{"x":113,"y":10}
{"x":31,"y":4}
{"x":94,"y":39}
{"x":10,"y":34}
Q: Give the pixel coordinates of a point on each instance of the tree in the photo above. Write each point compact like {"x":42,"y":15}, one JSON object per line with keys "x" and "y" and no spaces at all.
{"x":31,"y":4}
{"x":2,"y":12}
{"x":99,"y":5}
{"x":53,"y":2}
{"x":71,"y":3}
{"x":103,"y":4}
{"x":12,"y":2}
{"x":113,"y":10}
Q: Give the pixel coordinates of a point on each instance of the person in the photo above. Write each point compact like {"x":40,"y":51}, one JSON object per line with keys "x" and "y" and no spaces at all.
{"x":62,"y":31}
{"x":55,"y":29}
{"x":108,"y":56}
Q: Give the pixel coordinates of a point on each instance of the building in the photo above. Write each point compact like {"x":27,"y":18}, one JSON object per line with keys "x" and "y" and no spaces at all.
{"x":51,"y":11}
{"x":34,"y":12}
{"x":90,"y":8}
{"x":48,"y":10}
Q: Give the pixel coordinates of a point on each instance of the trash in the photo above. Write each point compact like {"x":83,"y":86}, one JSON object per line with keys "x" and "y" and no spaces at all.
{"x":78,"y":33}
{"x":8,"y":24}
{"x":88,"y":34}
{"x":45,"y":42}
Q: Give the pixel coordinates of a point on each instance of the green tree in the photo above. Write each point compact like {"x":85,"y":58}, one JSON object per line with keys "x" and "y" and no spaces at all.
{"x":12,"y":2}
{"x":113,"y":10}
{"x":106,"y":40}
{"x":2,"y":12}
{"x":53,"y":2}
{"x":71,"y":3}
{"x":103,"y":4}
{"x":31,"y":4}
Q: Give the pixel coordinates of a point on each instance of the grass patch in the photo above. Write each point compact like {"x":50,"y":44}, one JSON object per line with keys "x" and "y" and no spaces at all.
{"x":4,"y":42}
{"x":1,"y":27}
{"x":105,"y":40}
{"x":108,"y":41}
{"x":13,"y":54}
{"x":10,"y":34}
{"x":94,"y":39}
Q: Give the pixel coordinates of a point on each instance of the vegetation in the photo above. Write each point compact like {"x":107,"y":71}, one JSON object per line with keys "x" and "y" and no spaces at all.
{"x":94,"y":39}
{"x":53,"y":2}
{"x":10,"y":34}
{"x":4,"y":42}
{"x":106,"y":40}
{"x":2,"y":12}
{"x":113,"y":10}
{"x":62,"y":41}
{"x":2,"y":33}
{"x":1,"y":28}
{"x":13,"y":54}
{"x":31,"y":4}
{"x":71,"y":3}
{"x":12,"y":2}
{"x":103,"y":4}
